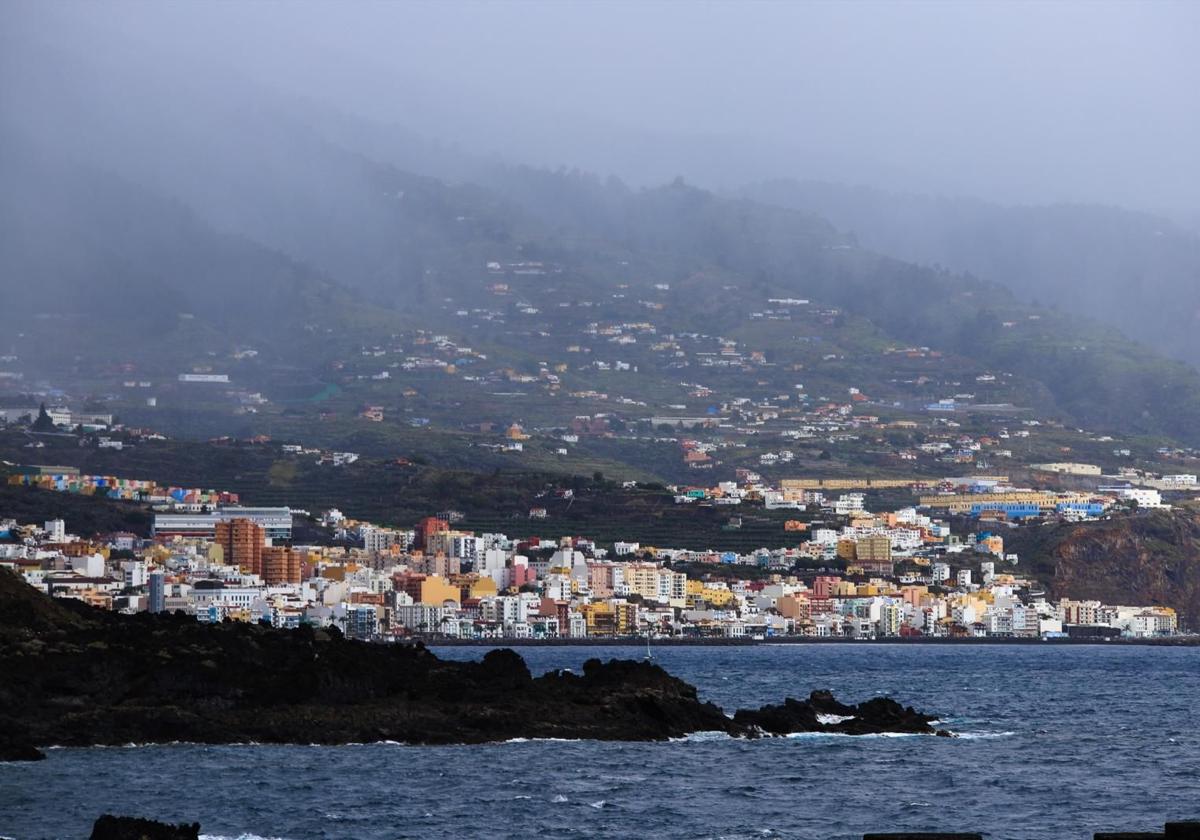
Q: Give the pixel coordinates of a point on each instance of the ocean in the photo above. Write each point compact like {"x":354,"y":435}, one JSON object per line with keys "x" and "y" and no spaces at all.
{"x":1056,"y":742}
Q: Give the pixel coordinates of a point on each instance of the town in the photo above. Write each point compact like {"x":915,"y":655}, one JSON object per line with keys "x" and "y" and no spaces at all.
{"x":936,"y":569}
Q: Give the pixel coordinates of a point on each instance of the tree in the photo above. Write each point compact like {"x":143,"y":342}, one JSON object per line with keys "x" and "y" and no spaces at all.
{"x":43,"y":423}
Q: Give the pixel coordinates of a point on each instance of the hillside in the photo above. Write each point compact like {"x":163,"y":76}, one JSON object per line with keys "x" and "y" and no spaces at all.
{"x":385,"y":492}
{"x":83,"y":514}
{"x":313,"y":263}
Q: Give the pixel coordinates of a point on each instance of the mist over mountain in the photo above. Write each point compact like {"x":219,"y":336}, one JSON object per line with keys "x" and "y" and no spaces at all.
{"x":301,"y":186}
{"x":1136,"y":271}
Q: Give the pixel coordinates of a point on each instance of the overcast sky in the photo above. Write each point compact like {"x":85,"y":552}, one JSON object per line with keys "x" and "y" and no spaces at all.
{"x":1018,"y":102}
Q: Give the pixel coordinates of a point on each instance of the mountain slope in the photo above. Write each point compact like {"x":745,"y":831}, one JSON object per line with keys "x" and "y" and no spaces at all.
{"x":1096,"y":376}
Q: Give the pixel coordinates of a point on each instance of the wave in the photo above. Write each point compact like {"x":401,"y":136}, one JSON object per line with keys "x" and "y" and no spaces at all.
{"x":828,"y":719}
{"x":856,"y":737}
{"x":979,"y":736}
{"x":706,"y":735}
{"x":698,"y":737}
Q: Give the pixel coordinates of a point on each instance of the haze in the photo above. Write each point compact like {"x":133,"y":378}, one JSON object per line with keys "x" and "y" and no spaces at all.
{"x":1092,"y":102}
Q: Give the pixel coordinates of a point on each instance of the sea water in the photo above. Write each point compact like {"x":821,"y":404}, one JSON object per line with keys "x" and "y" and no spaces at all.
{"x":1055,"y":742}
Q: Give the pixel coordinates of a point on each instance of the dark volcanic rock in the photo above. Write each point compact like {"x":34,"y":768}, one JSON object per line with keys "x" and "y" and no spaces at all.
{"x":822,"y":713}
{"x":13,"y":749}
{"x":77,"y":676}
{"x":109,"y":827}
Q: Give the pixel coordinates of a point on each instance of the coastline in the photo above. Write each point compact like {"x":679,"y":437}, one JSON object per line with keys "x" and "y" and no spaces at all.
{"x":669,"y":641}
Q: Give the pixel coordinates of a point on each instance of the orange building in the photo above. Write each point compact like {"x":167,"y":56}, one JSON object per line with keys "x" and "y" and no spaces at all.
{"x":280,"y":564}
{"x":242,"y":541}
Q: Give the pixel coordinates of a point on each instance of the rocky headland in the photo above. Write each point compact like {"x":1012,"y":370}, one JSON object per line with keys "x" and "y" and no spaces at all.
{"x":77,"y":676}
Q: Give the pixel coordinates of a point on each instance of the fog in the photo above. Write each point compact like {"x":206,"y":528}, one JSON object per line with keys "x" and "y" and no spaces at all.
{"x":995,"y":139}
{"x":1090,"y":101}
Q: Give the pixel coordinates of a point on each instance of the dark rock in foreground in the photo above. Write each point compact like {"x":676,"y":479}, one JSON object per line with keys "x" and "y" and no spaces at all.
{"x":14,"y":745}
{"x":79,"y":677}
{"x":109,"y":827}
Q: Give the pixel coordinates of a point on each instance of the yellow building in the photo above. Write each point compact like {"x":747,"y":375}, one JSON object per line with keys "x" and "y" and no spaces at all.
{"x":844,"y":589}
{"x":716,"y":596}
{"x":436,"y":590}
{"x":963,"y":502}
{"x":610,"y":618}
{"x":792,"y":485}
{"x":655,"y":583}
{"x":474,"y":586}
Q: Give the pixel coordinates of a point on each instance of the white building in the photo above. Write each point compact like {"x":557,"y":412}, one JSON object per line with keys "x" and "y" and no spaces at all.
{"x":849,"y":503}
{"x":56,"y":530}
{"x":1145,"y":497}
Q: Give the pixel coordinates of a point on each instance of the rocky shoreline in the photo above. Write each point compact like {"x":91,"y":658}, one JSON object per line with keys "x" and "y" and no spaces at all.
{"x":76,"y":676}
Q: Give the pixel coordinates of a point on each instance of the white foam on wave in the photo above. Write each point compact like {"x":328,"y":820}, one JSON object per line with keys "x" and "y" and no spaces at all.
{"x":856,"y":737}
{"x":830,"y":719}
{"x":542,"y":741}
{"x":244,"y":836}
{"x":704,"y":735}
{"x":597,"y":805}
{"x":560,"y":798}
{"x":979,"y":736}
{"x":141,"y":745}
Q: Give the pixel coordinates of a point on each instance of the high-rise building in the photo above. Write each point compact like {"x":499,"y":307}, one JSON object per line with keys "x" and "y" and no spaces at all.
{"x":428,"y":526}
{"x":280,"y":564}
{"x":242,"y":541}
{"x":874,"y":554}
{"x":158,"y":595}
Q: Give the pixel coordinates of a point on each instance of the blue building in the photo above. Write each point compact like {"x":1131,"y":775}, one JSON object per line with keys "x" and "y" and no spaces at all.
{"x":1085,"y":508}
{"x":1012,"y":510}
{"x":158,"y":592}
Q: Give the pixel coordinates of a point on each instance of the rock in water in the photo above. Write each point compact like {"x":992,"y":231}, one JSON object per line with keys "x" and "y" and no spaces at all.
{"x":109,"y":827}
{"x":822,"y":713}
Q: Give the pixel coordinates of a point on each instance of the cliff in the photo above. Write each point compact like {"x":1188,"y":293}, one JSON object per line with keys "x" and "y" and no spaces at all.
{"x":77,"y":676}
{"x":1144,"y":560}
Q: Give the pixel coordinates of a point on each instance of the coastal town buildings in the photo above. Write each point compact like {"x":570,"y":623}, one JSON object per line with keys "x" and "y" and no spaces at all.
{"x":843,"y":572}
